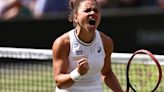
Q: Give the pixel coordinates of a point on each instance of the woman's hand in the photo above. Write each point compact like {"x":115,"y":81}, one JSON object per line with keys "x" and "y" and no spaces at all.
{"x":83,"y":66}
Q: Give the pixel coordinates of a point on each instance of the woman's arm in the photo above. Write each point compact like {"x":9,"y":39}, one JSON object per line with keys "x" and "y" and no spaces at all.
{"x":109,"y":77}
{"x":60,"y":52}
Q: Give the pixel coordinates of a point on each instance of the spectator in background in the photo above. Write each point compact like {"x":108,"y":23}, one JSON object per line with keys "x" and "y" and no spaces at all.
{"x":4,"y":3}
{"x":15,"y":10}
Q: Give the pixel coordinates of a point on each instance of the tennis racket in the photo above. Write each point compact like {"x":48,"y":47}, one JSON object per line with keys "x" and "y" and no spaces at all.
{"x":143,"y":72}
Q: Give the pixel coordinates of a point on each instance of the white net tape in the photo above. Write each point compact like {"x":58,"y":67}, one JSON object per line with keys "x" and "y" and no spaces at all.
{"x":28,"y":53}
{"x":25,"y":53}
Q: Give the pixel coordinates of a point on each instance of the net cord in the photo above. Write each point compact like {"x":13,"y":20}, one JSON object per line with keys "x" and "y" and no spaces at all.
{"x":43,"y":54}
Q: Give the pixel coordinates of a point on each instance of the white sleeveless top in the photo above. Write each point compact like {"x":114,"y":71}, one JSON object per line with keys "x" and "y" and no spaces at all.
{"x":94,"y":52}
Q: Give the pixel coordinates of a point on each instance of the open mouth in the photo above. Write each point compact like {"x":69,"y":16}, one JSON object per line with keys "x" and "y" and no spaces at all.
{"x":92,"y":22}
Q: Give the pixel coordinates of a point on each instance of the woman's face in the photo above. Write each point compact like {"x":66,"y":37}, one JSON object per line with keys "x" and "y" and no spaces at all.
{"x":88,"y":15}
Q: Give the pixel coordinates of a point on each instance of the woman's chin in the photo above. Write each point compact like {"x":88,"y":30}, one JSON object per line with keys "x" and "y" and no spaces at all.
{"x":92,"y":27}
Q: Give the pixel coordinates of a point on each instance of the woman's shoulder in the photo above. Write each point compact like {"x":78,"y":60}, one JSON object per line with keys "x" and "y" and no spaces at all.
{"x":107,"y":42}
{"x":62,"y":40}
{"x":105,"y":38}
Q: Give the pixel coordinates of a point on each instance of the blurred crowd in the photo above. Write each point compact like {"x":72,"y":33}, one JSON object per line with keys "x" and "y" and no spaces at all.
{"x":11,"y":9}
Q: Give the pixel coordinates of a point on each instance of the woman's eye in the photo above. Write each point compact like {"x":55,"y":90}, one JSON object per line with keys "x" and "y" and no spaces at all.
{"x":87,"y":10}
{"x":96,"y":11}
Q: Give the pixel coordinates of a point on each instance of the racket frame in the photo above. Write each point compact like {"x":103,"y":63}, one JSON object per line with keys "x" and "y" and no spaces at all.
{"x":143,"y":51}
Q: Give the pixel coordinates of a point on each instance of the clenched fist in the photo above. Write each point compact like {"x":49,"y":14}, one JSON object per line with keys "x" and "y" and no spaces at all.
{"x":83,"y":66}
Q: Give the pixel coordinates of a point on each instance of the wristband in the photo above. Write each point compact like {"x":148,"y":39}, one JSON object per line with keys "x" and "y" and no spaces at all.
{"x":75,"y":75}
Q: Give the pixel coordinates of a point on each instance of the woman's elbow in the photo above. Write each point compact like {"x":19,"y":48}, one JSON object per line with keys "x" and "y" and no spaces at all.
{"x":59,"y":85}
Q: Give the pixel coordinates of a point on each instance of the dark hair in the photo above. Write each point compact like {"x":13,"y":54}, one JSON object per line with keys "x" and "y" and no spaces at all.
{"x":73,"y":5}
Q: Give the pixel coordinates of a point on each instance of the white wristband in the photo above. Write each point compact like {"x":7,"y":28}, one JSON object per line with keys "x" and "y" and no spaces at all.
{"x":75,"y":76}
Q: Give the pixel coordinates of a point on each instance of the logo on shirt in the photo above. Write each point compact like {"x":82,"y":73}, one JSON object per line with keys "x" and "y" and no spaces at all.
{"x":75,"y":45}
{"x":99,"y":50}
{"x":79,"y":52}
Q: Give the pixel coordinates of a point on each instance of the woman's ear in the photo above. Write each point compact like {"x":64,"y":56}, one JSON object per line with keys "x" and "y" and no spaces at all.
{"x":75,"y":18}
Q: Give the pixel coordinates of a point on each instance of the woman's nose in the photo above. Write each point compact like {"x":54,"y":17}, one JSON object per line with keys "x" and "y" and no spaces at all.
{"x":92,"y":12}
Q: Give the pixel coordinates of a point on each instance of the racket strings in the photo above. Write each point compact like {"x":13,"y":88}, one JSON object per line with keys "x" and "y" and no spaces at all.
{"x":143,"y":73}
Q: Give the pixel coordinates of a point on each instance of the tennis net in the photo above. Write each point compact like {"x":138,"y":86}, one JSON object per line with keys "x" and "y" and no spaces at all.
{"x":30,"y":70}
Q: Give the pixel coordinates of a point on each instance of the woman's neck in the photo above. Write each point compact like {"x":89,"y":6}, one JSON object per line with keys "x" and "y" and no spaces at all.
{"x":84,"y":35}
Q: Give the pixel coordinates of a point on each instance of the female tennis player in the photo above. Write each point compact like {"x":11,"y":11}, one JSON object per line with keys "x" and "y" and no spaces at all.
{"x":82,"y":55}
